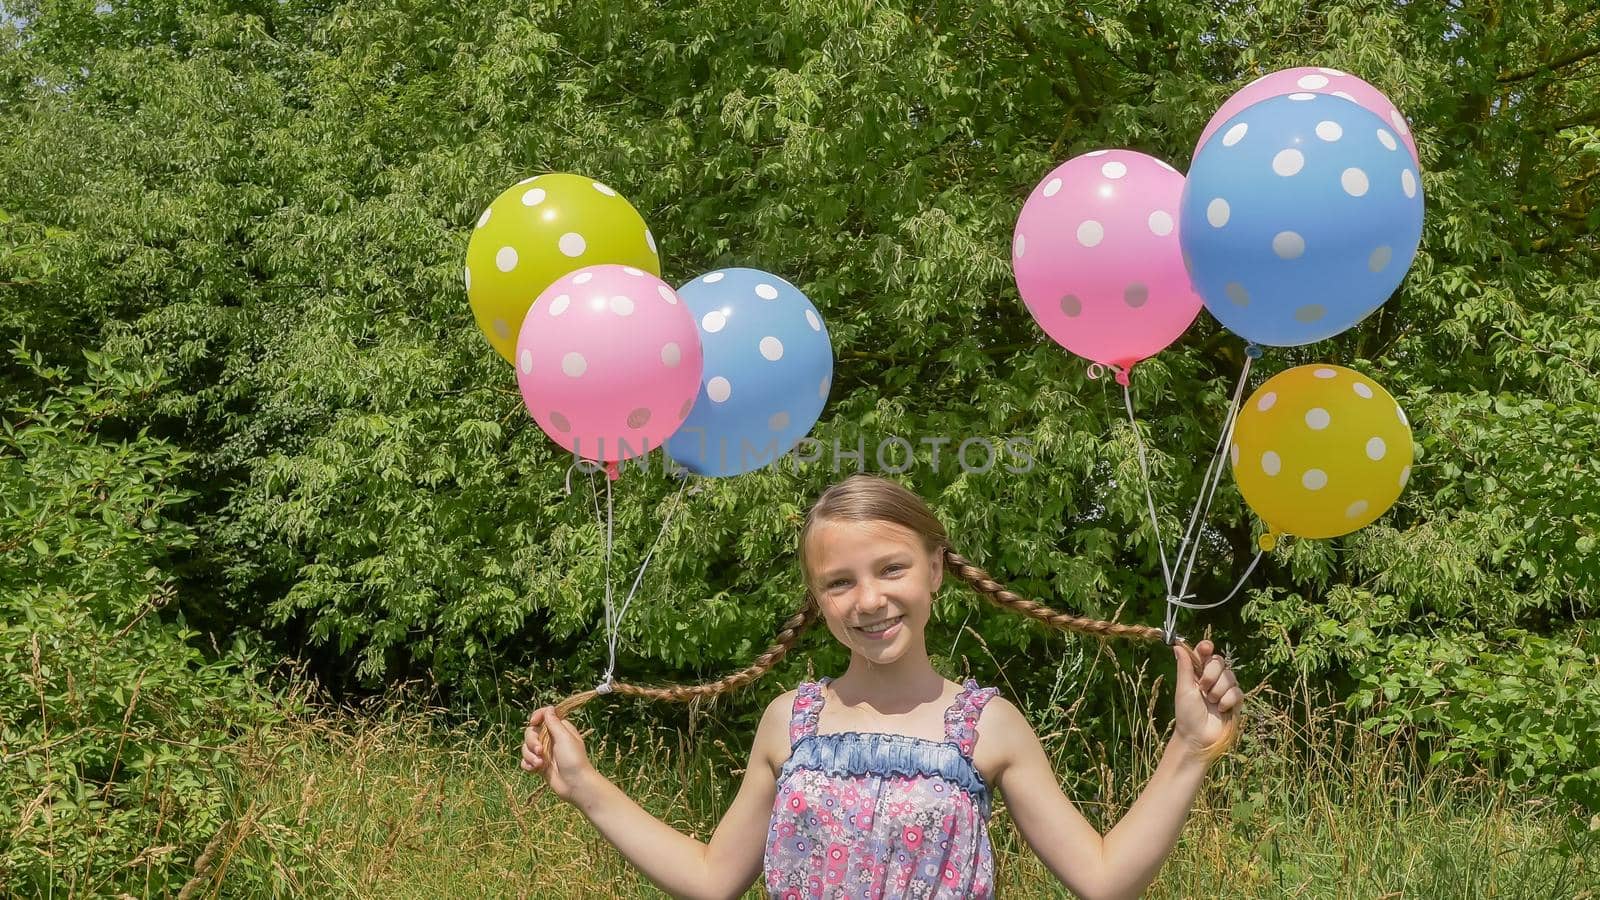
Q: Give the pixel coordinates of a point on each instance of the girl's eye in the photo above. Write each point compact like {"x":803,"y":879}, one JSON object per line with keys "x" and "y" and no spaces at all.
{"x":839,"y":583}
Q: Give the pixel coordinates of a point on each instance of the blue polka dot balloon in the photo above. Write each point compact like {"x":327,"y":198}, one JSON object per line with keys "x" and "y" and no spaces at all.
{"x":768,"y":367}
{"x":1300,"y":217}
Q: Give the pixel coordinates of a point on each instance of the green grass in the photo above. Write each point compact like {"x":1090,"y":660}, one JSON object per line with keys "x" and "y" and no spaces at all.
{"x":392,"y":804}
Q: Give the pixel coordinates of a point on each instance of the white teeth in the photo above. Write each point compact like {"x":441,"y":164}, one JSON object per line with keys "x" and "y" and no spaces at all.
{"x":884,"y":627}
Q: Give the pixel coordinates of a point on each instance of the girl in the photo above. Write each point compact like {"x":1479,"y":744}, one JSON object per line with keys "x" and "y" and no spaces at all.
{"x":875,"y":783}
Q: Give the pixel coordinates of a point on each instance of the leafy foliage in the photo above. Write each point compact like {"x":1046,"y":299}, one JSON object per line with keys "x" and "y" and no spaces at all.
{"x":272,"y":199}
{"x":117,"y":735}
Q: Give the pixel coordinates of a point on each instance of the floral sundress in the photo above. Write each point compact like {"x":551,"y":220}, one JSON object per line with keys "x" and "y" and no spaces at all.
{"x":876,"y":815}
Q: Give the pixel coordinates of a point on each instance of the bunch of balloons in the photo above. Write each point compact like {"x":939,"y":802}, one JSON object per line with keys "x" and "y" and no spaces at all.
{"x":1300,"y":215}
{"x":726,"y":372}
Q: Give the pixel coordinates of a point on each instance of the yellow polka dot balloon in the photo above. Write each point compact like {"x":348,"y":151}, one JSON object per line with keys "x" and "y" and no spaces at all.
{"x":1319,"y":451}
{"x":538,"y":230}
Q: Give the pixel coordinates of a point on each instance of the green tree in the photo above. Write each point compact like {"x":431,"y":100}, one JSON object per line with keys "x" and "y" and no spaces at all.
{"x":275,"y":197}
{"x":117,"y":734}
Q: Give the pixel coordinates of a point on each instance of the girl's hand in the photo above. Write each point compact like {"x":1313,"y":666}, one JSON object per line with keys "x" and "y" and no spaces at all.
{"x":1207,"y":696}
{"x":563,"y":762}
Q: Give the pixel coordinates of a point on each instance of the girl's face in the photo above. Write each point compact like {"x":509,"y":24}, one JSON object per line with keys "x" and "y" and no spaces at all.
{"x":875,"y":583}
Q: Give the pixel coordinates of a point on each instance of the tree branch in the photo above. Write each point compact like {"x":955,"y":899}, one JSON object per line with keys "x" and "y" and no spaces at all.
{"x":1575,"y":56}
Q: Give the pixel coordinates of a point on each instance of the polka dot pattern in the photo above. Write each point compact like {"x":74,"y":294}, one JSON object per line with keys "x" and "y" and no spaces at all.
{"x":1312,"y":186}
{"x":1319,"y":453}
{"x":1303,"y":83}
{"x":537,"y":231}
{"x":761,"y":337}
{"x":602,"y":389}
{"x":1089,"y":210}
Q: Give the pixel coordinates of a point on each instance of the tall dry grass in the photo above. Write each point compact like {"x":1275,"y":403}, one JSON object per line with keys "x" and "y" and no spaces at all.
{"x":389,"y":802}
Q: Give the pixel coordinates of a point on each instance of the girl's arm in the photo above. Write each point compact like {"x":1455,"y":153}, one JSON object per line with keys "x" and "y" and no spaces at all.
{"x":1125,"y":861}
{"x":675,"y":862}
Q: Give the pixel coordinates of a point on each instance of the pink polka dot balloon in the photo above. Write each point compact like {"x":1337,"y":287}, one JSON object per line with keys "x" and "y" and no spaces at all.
{"x":608,"y":362}
{"x":1316,"y":80}
{"x":1096,"y":257}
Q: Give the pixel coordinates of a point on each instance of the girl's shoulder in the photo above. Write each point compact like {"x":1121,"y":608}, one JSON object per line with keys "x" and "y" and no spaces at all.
{"x":772,"y":735}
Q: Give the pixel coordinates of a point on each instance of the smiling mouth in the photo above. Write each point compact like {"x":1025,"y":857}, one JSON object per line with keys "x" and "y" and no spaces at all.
{"x":881,"y":627}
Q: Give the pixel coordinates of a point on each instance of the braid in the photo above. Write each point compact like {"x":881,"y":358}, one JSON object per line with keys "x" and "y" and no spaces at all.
{"x":788,"y":636}
{"x":997,"y":594}
{"x":870,"y":498}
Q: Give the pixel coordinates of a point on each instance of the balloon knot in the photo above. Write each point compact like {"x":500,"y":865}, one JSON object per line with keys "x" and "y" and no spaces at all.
{"x":1267,"y":542}
{"x":1122,"y":376}
{"x":1252,"y":350}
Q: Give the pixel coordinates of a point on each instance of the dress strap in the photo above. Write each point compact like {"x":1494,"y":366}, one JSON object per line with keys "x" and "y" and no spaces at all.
{"x":961,"y":719}
{"x":807,"y":707}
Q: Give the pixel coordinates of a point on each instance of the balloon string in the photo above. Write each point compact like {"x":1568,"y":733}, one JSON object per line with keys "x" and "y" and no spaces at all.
{"x":1149,"y":499}
{"x":1202,"y":506}
{"x":1242,"y":578}
{"x":611,"y":619}
{"x":616,"y":632}
{"x":613,"y":616}
{"x":1218,"y":465}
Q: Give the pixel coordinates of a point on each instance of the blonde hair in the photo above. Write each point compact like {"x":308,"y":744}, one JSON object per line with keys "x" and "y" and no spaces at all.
{"x":872,"y":498}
